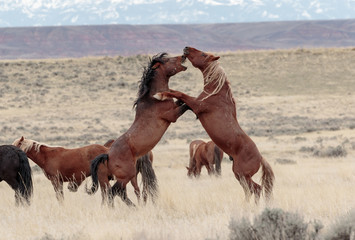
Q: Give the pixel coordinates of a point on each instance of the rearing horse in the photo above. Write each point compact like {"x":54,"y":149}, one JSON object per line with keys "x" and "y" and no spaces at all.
{"x":216,"y":109}
{"x":152,"y":119}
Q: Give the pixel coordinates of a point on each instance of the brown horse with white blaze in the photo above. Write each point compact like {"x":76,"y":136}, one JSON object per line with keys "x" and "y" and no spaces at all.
{"x":205,"y":154}
{"x":216,"y":109}
{"x":152,"y":119}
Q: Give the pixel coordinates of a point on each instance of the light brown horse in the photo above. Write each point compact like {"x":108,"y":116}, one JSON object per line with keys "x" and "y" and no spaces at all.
{"x":204,"y":154}
{"x":216,"y":109}
{"x":152,"y":119}
{"x":61,"y":164}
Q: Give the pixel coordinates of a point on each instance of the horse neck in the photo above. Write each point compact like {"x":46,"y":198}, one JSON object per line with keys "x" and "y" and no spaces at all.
{"x":37,"y":156}
{"x":159,"y":83}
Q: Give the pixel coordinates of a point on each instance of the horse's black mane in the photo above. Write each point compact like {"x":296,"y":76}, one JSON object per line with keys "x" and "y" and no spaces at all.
{"x":148,"y":75}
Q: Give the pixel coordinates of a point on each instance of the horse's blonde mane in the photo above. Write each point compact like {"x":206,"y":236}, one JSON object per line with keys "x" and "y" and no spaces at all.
{"x":27,"y":144}
{"x":216,"y":74}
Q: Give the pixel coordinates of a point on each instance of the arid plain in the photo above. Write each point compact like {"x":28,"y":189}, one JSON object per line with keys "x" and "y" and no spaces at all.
{"x":297,"y":105}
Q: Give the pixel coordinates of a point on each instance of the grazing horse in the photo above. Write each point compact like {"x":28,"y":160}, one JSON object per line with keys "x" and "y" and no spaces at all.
{"x":204,"y":154}
{"x":61,"y":164}
{"x":16,"y":171}
{"x":216,"y":109}
{"x":152,"y":119}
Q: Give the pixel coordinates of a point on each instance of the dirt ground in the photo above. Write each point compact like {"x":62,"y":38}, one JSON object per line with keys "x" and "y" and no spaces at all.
{"x":297,"y":105}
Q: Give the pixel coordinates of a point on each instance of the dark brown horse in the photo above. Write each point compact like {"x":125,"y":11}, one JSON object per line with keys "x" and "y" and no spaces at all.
{"x":204,"y":154}
{"x":62,"y":164}
{"x":152,"y":119}
{"x":16,"y":171}
{"x":216,"y":109}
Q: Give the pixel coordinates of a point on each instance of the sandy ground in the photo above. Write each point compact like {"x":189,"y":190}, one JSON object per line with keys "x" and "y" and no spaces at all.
{"x":297,"y":105}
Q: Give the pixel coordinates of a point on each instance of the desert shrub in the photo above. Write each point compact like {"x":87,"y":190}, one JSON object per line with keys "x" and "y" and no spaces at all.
{"x":330,"y":151}
{"x":284,"y":161}
{"x":274,"y":224}
{"x":344,"y":228}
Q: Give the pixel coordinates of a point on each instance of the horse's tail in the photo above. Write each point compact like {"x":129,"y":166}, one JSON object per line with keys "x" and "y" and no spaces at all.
{"x":24,"y":177}
{"x":267,"y":179}
{"x":218,"y":159}
{"x":94,"y":167}
{"x":149,"y":179}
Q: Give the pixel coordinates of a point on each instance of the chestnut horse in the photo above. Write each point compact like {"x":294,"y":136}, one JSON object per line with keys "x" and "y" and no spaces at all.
{"x":204,"y":154}
{"x":144,"y":166}
{"x":216,"y":109}
{"x":61,"y":164}
{"x":16,"y":171}
{"x":152,"y":119}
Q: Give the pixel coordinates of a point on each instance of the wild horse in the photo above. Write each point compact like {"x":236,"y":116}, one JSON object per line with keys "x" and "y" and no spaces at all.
{"x":62,"y":164}
{"x":216,"y":109}
{"x":16,"y":171}
{"x":152,"y":119}
{"x":204,"y":154}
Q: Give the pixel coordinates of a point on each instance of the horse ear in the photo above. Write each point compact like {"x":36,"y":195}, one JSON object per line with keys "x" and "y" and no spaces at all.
{"x":188,"y":168}
{"x":215,"y":58}
{"x":156,"y":65}
{"x":22,"y":138}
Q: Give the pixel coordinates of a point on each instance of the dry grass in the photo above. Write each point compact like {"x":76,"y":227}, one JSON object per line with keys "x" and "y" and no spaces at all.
{"x":287,"y":101}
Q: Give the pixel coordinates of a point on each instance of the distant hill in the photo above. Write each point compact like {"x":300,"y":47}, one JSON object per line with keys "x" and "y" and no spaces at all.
{"x":125,"y":40}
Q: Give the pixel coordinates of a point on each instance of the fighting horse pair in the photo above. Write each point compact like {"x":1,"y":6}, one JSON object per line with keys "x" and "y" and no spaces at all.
{"x":205,"y":154}
{"x":216,"y":109}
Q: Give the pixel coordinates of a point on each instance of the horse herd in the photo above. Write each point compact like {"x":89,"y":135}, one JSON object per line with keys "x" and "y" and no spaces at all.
{"x":122,"y":159}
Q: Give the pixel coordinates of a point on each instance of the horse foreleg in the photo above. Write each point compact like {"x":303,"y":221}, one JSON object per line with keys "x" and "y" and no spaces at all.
{"x":136,"y":188}
{"x":191,"y":102}
{"x":58,"y":188}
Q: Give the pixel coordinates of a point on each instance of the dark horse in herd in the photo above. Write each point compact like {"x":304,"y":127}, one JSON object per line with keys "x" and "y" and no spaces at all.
{"x":205,"y":154}
{"x":216,"y":109}
{"x":152,"y":119}
{"x":16,"y":171}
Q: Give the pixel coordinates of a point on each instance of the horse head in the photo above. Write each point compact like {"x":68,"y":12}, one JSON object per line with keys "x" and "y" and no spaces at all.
{"x":159,"y":70}
{"x":198,"y":58}
{"x":26,"y":144}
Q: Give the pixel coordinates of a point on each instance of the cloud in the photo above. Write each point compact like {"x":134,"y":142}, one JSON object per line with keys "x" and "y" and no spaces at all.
{"x":74,"y":19}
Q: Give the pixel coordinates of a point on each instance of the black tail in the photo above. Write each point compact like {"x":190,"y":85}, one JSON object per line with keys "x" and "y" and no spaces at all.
{"x":94,"y":166}
{"x":149,"y":179}
{"x":24,"y":177}
{"x":217,"y":159}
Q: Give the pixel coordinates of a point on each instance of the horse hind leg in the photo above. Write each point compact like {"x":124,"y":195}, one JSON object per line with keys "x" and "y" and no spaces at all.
{"x":120,"y":190}
{"x":15,"y":186}
{"x":73,"y":186}
{"x":250,"y":188}
{"x":106,"y":193}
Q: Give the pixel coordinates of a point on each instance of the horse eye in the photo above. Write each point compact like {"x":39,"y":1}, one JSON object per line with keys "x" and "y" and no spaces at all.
{"x":204,"y":55}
